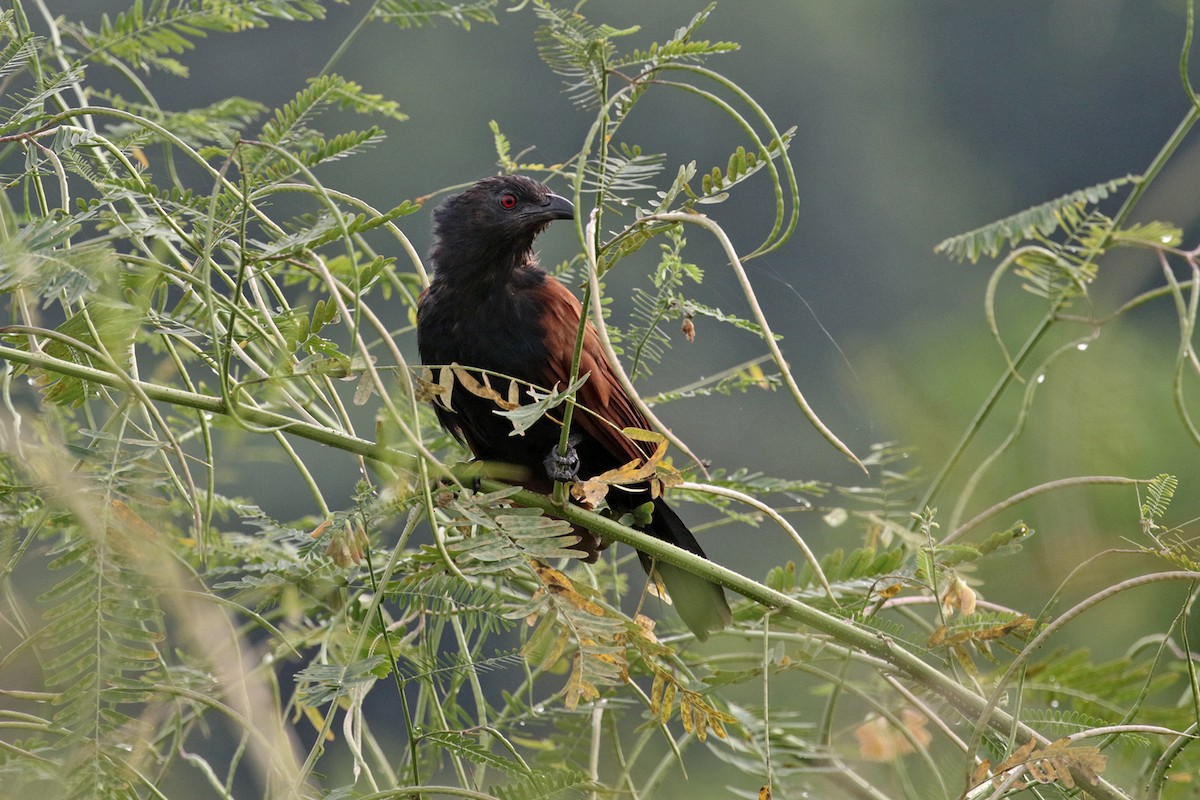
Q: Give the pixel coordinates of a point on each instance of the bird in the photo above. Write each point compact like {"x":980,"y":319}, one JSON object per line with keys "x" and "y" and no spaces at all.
{"x":491,"y":307}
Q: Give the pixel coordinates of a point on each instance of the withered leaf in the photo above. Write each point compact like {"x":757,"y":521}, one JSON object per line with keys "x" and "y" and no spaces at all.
{"x":593,"y":490}
{"x":484,"y":389}
{"x":577,"y":687}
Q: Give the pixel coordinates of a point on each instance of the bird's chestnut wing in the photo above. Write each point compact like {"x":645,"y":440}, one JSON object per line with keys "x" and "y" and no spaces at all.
{"x":608,"y":407}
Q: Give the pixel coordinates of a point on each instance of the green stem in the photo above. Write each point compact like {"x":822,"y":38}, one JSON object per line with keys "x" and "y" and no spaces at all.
{"x":601,"y":126}
{"x":760,"y":318}
{"x":1050,"y":486}
{"x":779,"y":234}
{"x":350,"y":37}
{"x":203,"y":402}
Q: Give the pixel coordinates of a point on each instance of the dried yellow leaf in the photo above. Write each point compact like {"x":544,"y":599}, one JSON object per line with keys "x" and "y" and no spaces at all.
{"x":958,"y":597}
{"x":484,"y":389}
{"x":718,"y":728}
{"x":981,"y":772}
{"x":577,"y":688}
{"x":590,"y":493}
{"x":445,"y":388}
{"x":685,"y":712}
{"x":656,"y":692}
{"x":888,"y":592}
{"x":664,"y":712}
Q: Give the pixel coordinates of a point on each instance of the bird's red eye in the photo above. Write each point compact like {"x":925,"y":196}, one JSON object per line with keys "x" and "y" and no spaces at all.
{"x":508,"y":200}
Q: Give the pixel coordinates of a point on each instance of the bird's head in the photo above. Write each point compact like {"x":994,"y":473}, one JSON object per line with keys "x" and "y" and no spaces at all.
{"x":494,"y":221}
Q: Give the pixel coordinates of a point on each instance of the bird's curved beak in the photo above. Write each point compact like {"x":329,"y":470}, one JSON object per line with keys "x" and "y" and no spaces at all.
{"x":555,"y":207}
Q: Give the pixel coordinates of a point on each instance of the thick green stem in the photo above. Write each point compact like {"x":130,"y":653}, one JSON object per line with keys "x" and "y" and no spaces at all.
{"x":268,"y":420}
{"x":886,"y":653}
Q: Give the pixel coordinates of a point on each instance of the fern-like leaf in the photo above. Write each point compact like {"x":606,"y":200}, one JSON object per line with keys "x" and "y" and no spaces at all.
{"x":578,"y":51}
{"x":626,"y":170}
{"x":742,"y":163}
{"x":445,"y":667}
{"x":290,"y":124}
{"x":567,"y":613}
{"x":322,"y":683}
{"x":857,"y":569}
{"x":1159,"y":494}
{"x":415,"y":13}
{"x":1058,"y":722}
{"x":506,"y":537}
{"x":696,"y":308}
{"x":218,"y":123}
{"x":545,"y":785}
{"x":18,"y":53}
{"x":315,"y":231}
{"x":103,"y":633}
{"x":1104,"y":689}
{"x":1150,"y":234}
{"x":1042,"y":220}
{"x":681,"y":47}
{"x":149,"y":35}
{"x":464,"y":746}
{"x":741,"y":378}
{"x":29,"y":107}
{"x":478,"y":605}
{"x":645,"y":338}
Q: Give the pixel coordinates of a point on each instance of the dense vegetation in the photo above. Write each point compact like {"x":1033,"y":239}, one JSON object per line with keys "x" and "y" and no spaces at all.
{"x":185,"y":294}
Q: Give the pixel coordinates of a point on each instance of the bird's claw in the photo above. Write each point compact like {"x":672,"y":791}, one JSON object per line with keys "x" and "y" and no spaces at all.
{"x":563,"y":467}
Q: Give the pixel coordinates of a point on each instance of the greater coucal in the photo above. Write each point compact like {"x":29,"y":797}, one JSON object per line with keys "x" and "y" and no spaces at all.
{"x":490,"y":307}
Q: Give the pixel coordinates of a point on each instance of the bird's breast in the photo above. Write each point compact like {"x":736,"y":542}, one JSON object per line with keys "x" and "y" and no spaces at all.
{"x":500,"y":332}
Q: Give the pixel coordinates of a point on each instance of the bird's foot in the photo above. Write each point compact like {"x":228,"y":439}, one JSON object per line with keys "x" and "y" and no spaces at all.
{"x":563,"y":467}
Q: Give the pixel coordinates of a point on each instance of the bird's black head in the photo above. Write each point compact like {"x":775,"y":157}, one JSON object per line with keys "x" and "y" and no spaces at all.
{"x":494,"y":222}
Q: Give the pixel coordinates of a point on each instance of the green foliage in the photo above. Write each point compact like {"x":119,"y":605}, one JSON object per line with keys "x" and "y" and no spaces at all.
{"x":320,"y":684}
{"x":102,"y":590}
{"x":148,"y":36}
{"x":290,"y":129}
{"x":742,"y":164}
{"x":171,"y":327}
{"x":1040,"y":221}
{"x":645,"y":338}
{"x":511,"y":536}
{"x":680,"y":47}
{"x":415,"y":13}
{"x":1108,"y":690}
{"x":578,"y":51}
{"x":861,"y":569}
{"x":1158,"y":496}
{"x":544,"y":785}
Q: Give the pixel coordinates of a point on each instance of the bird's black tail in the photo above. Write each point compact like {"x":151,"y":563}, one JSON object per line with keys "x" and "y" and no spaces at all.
{"x":700,"y":603}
